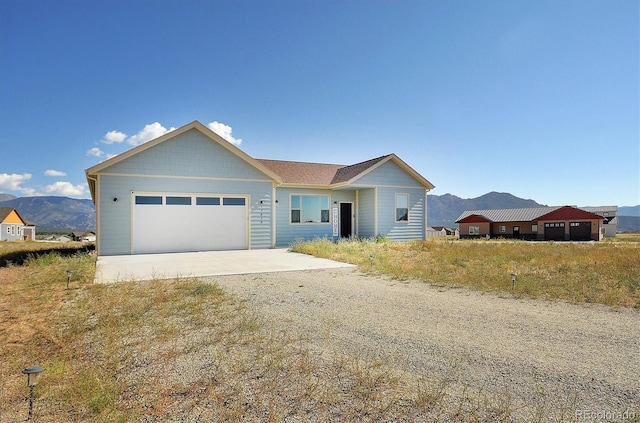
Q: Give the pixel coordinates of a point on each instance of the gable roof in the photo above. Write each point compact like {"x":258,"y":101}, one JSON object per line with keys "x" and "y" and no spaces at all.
{"x":172,"y":134}
{"x":6,"y":211}
{"x":335,"y":175}
{"x":281,"y":171}
{"x":524,"y":214}
{"x":569,"y":212}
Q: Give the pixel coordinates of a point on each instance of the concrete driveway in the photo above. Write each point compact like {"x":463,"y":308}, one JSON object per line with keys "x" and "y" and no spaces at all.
{"x":205,"y":263}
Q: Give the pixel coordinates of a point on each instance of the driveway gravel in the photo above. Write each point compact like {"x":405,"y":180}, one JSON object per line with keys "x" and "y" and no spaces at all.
{"x":541,"y":358}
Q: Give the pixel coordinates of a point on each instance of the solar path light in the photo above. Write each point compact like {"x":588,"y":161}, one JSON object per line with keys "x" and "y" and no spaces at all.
{"x":33,"y":377}
{"x":69,"y":272}
{"x":514,"y":276}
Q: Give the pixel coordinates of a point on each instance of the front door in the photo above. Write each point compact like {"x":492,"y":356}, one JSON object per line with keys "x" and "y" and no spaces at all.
{"x":516,"y":232}
{"x":346,"y":227}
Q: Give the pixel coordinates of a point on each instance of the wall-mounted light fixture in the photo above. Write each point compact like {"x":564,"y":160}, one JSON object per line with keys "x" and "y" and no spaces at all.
{"x":115,"y":199}
{"x":33,"y":377}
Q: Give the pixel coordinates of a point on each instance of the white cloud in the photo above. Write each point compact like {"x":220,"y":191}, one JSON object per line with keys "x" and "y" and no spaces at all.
{"x":13,"y":181}
{"x":149,"y":132}
{"x":66,"y":189}
{"x":114,"y":137}
{"x":224,"y":131}
{"x":52,"y":172}
{"x":95,"y":152}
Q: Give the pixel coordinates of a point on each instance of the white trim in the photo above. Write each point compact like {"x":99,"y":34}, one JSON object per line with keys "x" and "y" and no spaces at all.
{"x":395,"y":209}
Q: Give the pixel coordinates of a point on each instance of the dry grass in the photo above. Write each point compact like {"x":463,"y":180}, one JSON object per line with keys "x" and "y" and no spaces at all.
{"x":606,"y":272}
{"x":184,"y":350}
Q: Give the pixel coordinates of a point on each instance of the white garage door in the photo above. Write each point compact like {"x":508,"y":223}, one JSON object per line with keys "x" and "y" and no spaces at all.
{"x":177,"y":223}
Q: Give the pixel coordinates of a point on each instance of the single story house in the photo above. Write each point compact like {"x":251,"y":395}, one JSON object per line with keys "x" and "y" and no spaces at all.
{"x":191,"y":190}
{"x":13,"y":227}
{"x":82,"y":236}
{"x":440,"y":231}
{"x":565,"y":223}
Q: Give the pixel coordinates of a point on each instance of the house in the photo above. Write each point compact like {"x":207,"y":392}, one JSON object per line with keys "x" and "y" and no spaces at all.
{"x":191,"y":190}
{"x":440,"y":231}
{"x":566,"y":223}
{"x":610,"y":215}
{"x":13,"y":227}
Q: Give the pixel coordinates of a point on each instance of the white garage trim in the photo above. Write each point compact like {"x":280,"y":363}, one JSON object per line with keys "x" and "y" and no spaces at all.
{"x":180,"y":222}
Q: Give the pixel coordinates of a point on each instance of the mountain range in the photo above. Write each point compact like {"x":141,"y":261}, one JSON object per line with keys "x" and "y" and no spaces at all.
{"x":51,"y":214}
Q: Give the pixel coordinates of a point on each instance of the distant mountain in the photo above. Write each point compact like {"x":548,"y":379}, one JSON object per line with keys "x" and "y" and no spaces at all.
{"x":629,"y":211}
{"x":628,"y":223}
{"x":55,"y":213}
{"x":443,"y":210}
{"x":6,"y":197}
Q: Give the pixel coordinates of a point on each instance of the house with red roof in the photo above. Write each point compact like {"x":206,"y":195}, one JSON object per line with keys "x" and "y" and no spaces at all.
{"x":565,"y":223}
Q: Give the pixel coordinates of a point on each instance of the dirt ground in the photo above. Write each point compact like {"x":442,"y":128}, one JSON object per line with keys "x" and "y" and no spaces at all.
{"x":552,"y":359}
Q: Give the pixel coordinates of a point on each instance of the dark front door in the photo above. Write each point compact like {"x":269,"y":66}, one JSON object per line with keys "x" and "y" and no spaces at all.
{"x":516,"y":232}
{"x":345,"y":220}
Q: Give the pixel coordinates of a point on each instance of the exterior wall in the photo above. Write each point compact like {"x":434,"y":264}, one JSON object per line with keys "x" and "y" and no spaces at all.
{"x":485,"y":229}
{"x":11,"y":231}
{"x":526,"y":231}
{"x":414,"y":228}
{"x":389,"y":180}
{"x":194,"y":164}
{"x":596,"y":233}
{"x":12,"y":227}
{"x":366,"y":213}
{"x":288,"y":233}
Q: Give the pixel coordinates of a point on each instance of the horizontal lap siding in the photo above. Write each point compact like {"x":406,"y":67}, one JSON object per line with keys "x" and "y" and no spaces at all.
{"x":366,"y":213}
{"x":190,"y":164}
{"x":288,"y":233}
{"x":390,"y":180}
{"x":115,"y":225}
{"x":401,"y":231}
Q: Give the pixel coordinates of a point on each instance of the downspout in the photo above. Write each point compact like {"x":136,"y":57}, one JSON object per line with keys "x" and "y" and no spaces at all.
{"x":274,"y":213}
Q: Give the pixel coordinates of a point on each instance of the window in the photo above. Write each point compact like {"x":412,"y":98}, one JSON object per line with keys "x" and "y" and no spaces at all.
{"x":178,"y":201}
{"x":474,"y":230}
{"x":402,"y":207}
{"x":534,"y":228}
{"x":207,"y":201}
{"x":18,"y":231}
{"x":13,"y":230}
{"x":309,"y":209}
{"x":230,"y":201}
{"x":502,"y":229}
{"x":147,"y":199}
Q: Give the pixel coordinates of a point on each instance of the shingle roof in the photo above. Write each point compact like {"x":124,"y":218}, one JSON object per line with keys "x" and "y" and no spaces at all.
{"x":301,"y":172}
{"x":4,"y":212}
{"x":317,"y":173}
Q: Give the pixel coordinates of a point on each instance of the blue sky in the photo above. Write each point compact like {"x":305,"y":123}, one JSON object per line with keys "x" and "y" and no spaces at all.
{"x":536,"y":98}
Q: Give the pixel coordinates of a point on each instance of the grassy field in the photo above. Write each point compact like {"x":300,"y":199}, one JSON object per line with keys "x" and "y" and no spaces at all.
{"x":602,"y":272}
{"x":106,"y":348}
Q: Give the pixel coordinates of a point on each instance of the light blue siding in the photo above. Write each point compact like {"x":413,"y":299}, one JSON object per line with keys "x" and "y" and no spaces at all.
{"x":288,"y":233}
{"x":191,"y":164}
{"x":366,"y":213}
{"x":387,"y":174}
{"x":390,"y":179}
{"x":401,"y":231}
{"x":189,"y":154}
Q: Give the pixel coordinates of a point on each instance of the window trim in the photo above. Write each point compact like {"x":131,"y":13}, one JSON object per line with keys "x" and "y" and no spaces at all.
{"x":502,"y":229}
{"x":299,"y":209}
{"x":474,"y":230}
{"x":408,"y":197}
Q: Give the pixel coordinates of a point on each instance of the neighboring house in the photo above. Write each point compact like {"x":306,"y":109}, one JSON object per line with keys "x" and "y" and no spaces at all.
{"x":610,"y":215}
{"x":13,"y":227}
{"x":565,"y":223}
{"x":191,"y":190}
{"x":440,"y":231}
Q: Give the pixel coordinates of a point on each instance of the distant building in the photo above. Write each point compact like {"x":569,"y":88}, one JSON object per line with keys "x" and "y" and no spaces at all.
{"x":565,"y":223}
{"x":13,"y":227}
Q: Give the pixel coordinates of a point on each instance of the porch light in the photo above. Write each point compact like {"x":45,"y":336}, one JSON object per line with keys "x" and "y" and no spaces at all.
{"x":514,"y":276}
{"x":33,"y":377}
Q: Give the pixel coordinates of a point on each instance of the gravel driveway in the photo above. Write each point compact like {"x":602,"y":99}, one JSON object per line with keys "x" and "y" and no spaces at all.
{"x":554,"y":359}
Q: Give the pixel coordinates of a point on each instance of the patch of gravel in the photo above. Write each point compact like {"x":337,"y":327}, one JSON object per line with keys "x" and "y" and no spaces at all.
{"x":538,"y":359}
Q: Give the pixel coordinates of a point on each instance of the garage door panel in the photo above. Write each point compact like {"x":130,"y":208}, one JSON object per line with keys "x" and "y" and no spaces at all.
{"x":203,"y":225}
